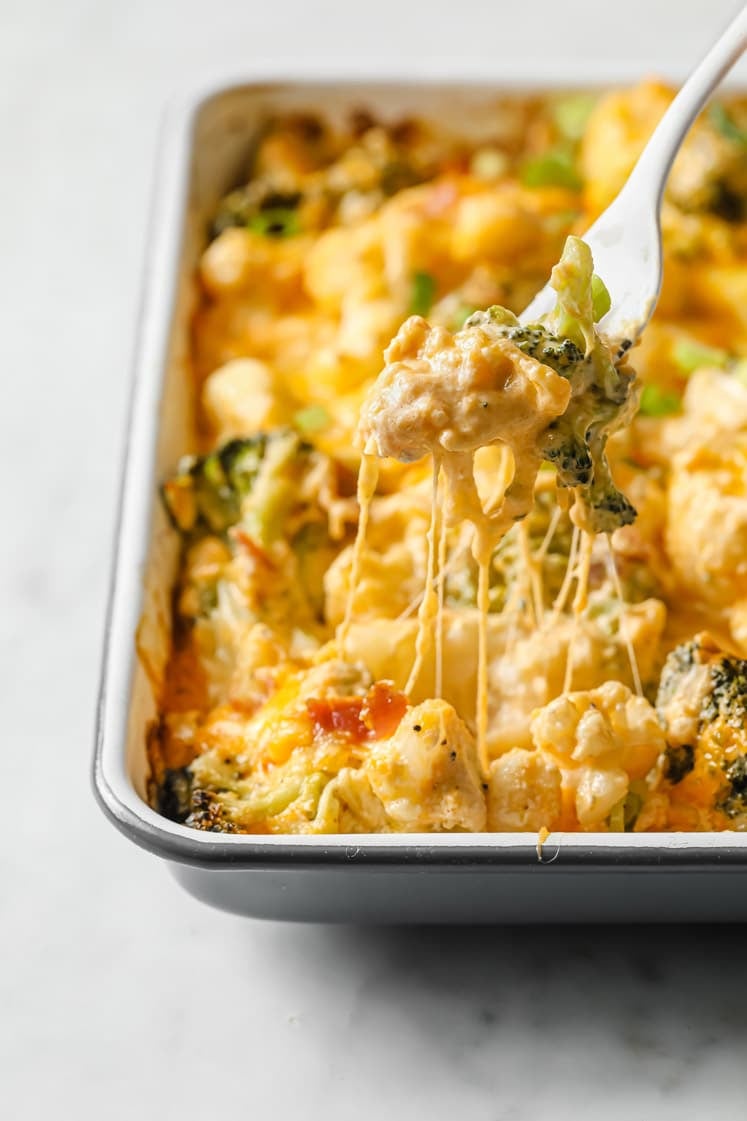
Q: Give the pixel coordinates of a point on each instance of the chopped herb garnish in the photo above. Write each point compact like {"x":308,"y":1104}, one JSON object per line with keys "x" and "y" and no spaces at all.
{"x":656,"y":401}
{"x":312,"y":419}
{"x":422,"y":293}
{"x":554,"y":168}
{"x":572,"y":114}
{"x":723,"y":122}
{"x":690,"y":356}
{"x":489,"y":163}
{"x":280,"y":221}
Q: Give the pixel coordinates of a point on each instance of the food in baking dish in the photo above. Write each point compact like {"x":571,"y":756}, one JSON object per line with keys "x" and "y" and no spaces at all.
{"x":539,"y":619}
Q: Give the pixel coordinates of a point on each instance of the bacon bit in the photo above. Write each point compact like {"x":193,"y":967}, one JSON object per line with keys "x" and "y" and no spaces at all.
{"x":255,"y":551}
{"x":373,"y":717}
{"x":338,"y":714}
{"x":383,"y":709}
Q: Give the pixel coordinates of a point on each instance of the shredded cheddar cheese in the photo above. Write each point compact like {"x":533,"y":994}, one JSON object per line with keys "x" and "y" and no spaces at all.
{"x":442,"y":571}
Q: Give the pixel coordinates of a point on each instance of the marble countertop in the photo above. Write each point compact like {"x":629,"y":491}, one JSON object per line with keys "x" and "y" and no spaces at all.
{"x":120,"y":996}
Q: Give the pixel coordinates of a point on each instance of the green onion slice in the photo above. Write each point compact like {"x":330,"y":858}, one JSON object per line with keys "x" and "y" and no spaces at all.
{"x":554,"y":168}
{"x":311,"y":419}
{"x":657,"y":402}
{"x":279,"y":221}
{"x":422,"y":293}
{"x":601,"y":301}
{"x":690,"y":356}
{"x":723,"y":122}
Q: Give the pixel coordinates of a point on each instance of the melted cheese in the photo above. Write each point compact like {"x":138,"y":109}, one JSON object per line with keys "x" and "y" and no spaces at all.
{"x":447,"y":396}
{"x":286,"y":722}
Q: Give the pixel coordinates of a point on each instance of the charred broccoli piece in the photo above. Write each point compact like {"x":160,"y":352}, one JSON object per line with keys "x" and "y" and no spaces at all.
{"x":178,"y":799}
{"x":734,"y":800}
{"x":728,"y":696}
{"x":259,"y":207}
{"x":679,"y":760}
{"x":207,"y":814}
{"x":702,"y":704}
{"x":174,"y":794}
{"x":711,"y":682}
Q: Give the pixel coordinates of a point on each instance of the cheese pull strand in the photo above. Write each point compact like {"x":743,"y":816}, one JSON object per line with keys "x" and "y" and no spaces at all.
{"x":615,"y":577}
{"x":368,"y":477}
{"x":483,"y":553}
{"x":428,"y":611}
{"x":580,"y":601}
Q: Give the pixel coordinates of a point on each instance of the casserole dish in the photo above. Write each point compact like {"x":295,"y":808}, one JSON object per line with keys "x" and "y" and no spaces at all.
{"x":405,"y":878}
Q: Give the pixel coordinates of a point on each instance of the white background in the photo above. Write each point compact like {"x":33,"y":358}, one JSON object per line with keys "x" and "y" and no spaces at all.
{"x":121,"y":997}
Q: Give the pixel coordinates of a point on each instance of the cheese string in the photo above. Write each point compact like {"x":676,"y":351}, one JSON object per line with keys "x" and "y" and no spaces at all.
{"x":551,"y":531}
{"x":580,"y":601}
{"x":441,"y":566}
{"x":429,"y":603}
{"x":534,"y":597}
{"x":368,"y":476}
{"x":565,"y":587}
{"x":615,"y":577}
{"x":483,"y":555}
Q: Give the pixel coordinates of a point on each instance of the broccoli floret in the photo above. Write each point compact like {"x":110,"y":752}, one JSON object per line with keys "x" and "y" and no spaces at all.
{"x":728,"y":696}
{"x":207,"y":814}
{"x":208,"y":492}
{"x":717,"y":692}
{"x":569,"y":455}
{"x":679,"y":761}
{"x":702,"y":700}
{"x":734,"y":800}
{"x":560,"y":354}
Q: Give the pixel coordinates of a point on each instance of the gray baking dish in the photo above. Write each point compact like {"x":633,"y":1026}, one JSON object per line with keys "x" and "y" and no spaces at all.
{"x":399,"y":878}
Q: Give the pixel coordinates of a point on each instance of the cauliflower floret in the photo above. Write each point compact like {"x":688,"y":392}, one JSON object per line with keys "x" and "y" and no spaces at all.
{"x":598,"y":792}
{"x":601,"y":739}
{"x":241,"y":398}
{"x":349,"y":805}
{"x":345,"y":263}
{"x":531,"y":673}
{"x":706,"y":533}
{"x":241,"y":261}
{"x":716,"y":398}
{"x":457,"y":392}
{"x":502,"y":224}
{"x":523,"y":792}
{"x":426,"y":776}
{"x":393,"y":566}
{"x":608,"y":725}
